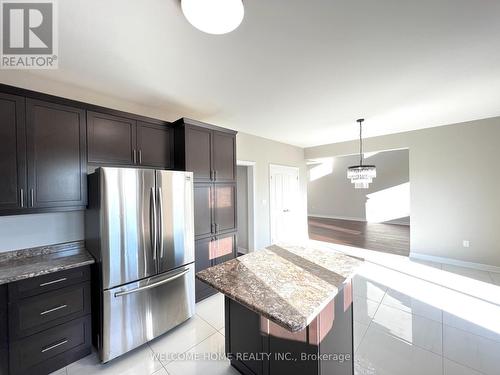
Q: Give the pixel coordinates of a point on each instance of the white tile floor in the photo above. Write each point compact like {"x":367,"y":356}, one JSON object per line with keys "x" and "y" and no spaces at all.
{"x":409,"y":318}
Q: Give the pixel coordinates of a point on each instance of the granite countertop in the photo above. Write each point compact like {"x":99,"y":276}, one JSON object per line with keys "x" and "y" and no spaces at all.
{"x":289,"y":285}
{"x":22,"y":264}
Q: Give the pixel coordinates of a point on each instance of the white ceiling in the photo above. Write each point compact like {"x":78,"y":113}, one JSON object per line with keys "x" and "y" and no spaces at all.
{"x":297,"y":71}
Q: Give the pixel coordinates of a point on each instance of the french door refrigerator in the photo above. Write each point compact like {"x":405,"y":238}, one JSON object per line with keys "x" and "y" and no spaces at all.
{"x":139,"y":227}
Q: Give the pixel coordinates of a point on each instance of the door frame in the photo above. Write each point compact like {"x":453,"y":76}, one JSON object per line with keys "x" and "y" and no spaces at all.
{"x":252,"y":227}
{"x":273,"y":168}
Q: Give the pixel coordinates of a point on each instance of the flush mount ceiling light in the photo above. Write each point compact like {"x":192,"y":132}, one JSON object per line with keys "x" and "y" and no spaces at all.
{"x":214,"y":16}
{"x":361,"y":175}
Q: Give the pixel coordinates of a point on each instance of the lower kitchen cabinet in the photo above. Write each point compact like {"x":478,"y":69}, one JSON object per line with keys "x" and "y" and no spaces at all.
{"x":214,"y":208}
{"x":203,"y":203}
{"x":202,"y":261}
{"x":209,"y":252}
{"x":45,"y":322}
{"x":225,"y":207}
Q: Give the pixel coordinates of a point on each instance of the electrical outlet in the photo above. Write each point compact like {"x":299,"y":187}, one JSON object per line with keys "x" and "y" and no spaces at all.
{"x":466,"y":243}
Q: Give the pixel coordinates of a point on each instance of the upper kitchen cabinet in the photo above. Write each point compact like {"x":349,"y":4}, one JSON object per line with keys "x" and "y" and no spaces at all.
{"x":206,"y":150}
{"x":155,"y":145}
{"x":48,"y":143}
{"x":198,"y":159}
{"x":111,"y":139}
{"x":122,"y":141}
{"x":56,"y":155}
{"x":12,"y":152}
{"x":223,"y":156}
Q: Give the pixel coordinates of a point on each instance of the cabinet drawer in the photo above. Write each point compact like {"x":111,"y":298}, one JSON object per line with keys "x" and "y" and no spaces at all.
{"x":33,"y":314}
{"x":47,"y":283}
{"x":52,"y":349}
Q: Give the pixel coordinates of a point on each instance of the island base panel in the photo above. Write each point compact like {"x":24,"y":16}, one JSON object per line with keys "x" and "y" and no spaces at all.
{"x":257,"y":346}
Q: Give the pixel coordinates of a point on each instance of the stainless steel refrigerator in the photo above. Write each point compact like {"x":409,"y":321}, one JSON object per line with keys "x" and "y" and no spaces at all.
{"x":139,"y":227}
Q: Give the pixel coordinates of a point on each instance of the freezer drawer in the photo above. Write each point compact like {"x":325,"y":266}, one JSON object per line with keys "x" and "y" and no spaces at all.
{"x":136,"y":313}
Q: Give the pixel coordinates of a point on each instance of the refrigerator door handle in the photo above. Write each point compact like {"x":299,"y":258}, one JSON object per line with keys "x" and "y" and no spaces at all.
{"x":153,"y":225}
{"x":146,"y":287}
{"x":160,"y":225}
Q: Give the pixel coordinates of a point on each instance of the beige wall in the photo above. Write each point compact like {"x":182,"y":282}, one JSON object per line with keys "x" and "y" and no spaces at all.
{"x":454,"y":187}
{"x":24,"y":231}
{"x":35,"y":82}
{"x":265,"y":152}
{"x":251,"y":148}
{"x":331,"y":194}
{"x":242,"y":200}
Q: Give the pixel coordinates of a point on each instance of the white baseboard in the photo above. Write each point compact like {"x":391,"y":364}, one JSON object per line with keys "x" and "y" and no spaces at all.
{"x":242,"y":250}
{"x":455,"y":262}
{"x":395,"y":222}
{"x":337,"y":217}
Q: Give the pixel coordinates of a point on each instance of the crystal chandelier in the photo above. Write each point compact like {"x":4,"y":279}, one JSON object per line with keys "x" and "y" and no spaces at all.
{"x":361,"y":175}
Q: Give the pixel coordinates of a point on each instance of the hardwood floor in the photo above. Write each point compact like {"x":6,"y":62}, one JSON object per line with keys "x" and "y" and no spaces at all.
{"x":388,"y":238}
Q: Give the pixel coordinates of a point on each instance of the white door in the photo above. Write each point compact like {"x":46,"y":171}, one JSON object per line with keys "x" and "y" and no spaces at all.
{"x":284,"y":199}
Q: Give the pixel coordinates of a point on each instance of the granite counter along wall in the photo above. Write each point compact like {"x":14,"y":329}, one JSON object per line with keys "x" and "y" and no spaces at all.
{"x":32,"y":262}
{"x":27,"y":283}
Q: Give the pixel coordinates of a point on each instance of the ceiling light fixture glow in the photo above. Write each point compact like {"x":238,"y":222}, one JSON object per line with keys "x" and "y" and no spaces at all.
{"x":214,"y":16}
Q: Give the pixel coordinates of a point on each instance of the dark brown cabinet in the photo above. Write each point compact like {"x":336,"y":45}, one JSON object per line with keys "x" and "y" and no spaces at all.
{"x":202,"y":261}
{"x":111,"y":139}
{"x":45,"y":321}
{"x":12,"y":152}
{"x":56,"y":152}
{"x":43,"y":156}
{"x":209,"y":152}
{"x":223,"y":248}
{"x":120,"y":141}
{"x":224,"y":208}
{"x":203,"y":217}
{"x":48,"y":143}
{"x":223,"y":156}
{"x":198,"y":155}
{"x":214,"y":209}
{"x":206,"y":150}
{"x":155,"y":145}
{"x":209,"y":252}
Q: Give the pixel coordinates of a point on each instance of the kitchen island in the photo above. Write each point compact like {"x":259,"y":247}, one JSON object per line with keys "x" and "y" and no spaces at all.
{"x":288,"y":310}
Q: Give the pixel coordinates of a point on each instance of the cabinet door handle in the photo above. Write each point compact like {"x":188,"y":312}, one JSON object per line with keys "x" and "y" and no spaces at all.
{"x":22,"y":197}
{"x":32,"y":197}
{"x":215,"y":175}
{"x":140,"y":156}
{"x":53,"y":282}
{"x":46,"y":349}
{"x":53,"y":310}
{"x":135,"y":155}
{"x":216,"y":228}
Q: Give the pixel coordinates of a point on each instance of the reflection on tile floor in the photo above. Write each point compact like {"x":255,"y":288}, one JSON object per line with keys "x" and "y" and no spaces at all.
{"x":410,"y":317}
